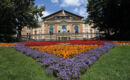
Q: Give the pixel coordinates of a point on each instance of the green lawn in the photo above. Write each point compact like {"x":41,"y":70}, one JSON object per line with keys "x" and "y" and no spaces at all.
{"x":17,"y":66}
{"x":115,"y":65}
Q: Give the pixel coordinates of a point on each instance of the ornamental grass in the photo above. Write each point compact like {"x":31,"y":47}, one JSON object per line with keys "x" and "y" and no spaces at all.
{"x":66,"y":51}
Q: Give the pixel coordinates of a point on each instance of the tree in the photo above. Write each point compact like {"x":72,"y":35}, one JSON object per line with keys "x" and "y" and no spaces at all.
{"x":17,"y":14}
{"x":110,"y":16}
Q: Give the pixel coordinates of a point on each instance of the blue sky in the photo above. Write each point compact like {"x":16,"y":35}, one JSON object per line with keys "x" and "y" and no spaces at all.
{"x":75,"y":6}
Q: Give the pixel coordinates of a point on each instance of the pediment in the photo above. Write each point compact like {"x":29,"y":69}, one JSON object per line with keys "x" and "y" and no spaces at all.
{"x":62,"y":14}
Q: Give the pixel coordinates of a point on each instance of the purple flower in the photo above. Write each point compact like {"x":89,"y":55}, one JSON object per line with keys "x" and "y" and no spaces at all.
{"x":49,"y":70}
{"x":66,"y":69}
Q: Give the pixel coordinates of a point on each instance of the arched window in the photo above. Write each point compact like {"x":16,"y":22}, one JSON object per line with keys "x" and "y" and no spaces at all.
{"x":28,"y":35}
{"x":76,"y":28}
{"x":97,"y":34}
{"x":51,"y":30}
{"x":91,"y":31}
{"x":35,"y":32}
{"x":63,"y":28}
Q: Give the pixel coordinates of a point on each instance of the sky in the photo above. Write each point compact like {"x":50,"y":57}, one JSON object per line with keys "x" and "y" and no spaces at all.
{"x":75,"y":6}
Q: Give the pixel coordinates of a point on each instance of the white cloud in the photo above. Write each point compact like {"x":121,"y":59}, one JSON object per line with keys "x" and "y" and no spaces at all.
{"x":81,"y":11}
{"x":66,"y":3}
{"x":39,"y":19}
{"x":45,"y":13}
{"x":54,"y":1}
{"x":76,"y":10}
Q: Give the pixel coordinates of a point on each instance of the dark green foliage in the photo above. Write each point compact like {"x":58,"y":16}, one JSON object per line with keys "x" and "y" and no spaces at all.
{"x":17,"y":13}
{"x":110,"y":16}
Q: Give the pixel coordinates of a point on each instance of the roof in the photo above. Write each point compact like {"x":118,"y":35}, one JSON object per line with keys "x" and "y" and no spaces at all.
{"x":61,"y":11}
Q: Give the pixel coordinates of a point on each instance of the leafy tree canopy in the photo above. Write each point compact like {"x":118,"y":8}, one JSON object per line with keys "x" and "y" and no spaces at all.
{"x":17,"y":13}
{"x":110,"y":16}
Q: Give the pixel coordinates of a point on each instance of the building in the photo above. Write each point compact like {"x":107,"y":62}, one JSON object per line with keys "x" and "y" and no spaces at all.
{"x":61,"y":25}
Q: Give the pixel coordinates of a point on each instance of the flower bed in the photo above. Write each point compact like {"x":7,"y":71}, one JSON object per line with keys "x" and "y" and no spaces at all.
{"x":8,"y":44}
{"x":63,"y":68}
{"x":74,"y":42}
{"x":121,"y":43}
{"x":66,"y":51}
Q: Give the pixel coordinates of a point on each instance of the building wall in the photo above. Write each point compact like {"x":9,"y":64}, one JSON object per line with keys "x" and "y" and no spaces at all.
{"x":57,"y":20}
{"x":44,"y":29}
